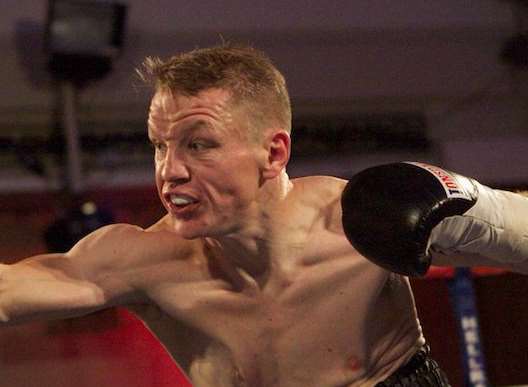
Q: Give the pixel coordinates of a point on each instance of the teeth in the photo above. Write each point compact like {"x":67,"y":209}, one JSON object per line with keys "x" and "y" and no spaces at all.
{"x":180,"y":200}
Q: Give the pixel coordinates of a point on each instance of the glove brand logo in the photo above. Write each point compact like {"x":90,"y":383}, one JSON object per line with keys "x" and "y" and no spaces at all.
{"x":452,"y":188}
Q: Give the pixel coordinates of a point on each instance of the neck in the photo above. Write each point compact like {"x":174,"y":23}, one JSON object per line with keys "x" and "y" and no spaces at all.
{"x":250,"y":247}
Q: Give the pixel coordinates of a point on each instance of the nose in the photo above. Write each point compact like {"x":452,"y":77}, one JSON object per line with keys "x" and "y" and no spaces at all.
{"x":173,"y":168}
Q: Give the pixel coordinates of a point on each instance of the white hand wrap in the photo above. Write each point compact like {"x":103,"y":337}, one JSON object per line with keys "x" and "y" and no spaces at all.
{"x":494,"y":232}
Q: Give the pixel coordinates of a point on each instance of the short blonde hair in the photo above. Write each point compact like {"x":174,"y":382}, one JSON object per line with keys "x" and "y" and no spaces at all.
{"x":247,"y":73}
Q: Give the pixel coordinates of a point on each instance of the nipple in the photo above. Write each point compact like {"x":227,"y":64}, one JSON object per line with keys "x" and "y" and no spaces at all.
{"x":354,"y":363}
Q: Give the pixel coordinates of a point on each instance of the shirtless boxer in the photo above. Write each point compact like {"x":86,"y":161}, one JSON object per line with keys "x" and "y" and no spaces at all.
{"x":249,"y":279}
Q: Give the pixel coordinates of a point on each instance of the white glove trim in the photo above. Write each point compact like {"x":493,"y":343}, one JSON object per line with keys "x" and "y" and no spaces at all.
{"x":496,"y":227}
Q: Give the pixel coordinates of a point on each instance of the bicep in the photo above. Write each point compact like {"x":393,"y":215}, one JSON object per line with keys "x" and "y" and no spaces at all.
{"x":53,"y":286}
{"x":106,"y":258}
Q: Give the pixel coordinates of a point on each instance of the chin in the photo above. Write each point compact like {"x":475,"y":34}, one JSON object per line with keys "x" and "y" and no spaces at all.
{"x":190,"y":229}
{"x":186,"y":232}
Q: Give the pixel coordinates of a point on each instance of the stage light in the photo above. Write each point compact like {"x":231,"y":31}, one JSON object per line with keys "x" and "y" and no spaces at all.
{"x":83,"y":38}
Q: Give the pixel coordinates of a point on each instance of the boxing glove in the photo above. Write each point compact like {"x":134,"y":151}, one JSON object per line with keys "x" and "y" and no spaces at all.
{"x":389,"y":212}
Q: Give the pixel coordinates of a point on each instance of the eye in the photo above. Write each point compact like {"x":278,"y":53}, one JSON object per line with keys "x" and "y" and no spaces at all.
{"x":199,"y":145}
{"x":158,"y":146}
{"x":196,"y":146}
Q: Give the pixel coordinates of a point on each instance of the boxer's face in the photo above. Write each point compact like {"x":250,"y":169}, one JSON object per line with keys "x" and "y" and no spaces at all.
{"x":207,"y":172}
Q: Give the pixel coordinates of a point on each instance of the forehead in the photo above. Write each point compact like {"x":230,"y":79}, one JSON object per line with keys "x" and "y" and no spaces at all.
{"x":170,"y":106}
{"x":169,"y":112}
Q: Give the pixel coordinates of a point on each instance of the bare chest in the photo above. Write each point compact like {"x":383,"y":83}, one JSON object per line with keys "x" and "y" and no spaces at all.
{"x":303,"y":328}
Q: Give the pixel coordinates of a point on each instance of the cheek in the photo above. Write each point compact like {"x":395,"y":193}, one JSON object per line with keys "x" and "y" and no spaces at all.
{"x":159,"y":187}
{"x":240,"y":181}
{"x":157,"y":171}
{"x":159,"y":182}
{"x":157,"y":164}
{"x":157,"y":176}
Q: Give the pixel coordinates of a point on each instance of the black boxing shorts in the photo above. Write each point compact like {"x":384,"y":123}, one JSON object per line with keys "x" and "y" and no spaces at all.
{"x":420,"y":371}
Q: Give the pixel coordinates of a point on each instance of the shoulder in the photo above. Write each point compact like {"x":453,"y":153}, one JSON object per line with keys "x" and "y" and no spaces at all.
{"x":322,"y":193}
{"x":128,"y":247}
{"x":124,"y":236}
{"x":320,"y":188}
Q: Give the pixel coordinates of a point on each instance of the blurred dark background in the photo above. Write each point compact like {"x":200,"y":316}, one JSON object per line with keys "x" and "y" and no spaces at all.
{"x":371,"y":81}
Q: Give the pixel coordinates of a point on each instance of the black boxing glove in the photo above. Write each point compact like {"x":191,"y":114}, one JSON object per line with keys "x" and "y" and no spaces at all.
{"x":390,"y":210}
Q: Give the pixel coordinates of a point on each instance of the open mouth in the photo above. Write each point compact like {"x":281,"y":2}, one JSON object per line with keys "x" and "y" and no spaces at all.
{"x":179,"y":203}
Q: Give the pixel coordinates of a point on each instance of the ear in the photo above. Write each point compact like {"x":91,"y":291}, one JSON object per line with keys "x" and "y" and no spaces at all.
{"x":278,"y":147}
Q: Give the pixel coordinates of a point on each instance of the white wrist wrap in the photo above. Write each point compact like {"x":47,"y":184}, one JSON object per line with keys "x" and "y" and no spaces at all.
{"x":496,"y":228}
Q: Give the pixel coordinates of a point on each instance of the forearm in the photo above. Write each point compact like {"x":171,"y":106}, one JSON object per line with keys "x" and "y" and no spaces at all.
{"x":34,"y":289}
{"x":492,"y":233}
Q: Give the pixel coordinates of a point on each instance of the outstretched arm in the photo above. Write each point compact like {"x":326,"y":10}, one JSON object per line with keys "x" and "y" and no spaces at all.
{"x":91,"y":276}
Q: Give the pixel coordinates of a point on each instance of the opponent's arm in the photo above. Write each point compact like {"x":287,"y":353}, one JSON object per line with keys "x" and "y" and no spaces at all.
{"x":91,"y":276}
{"x":403,"y":215}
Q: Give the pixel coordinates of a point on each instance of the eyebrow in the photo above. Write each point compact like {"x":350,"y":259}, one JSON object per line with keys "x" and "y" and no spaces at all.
{"x":188,"y":129}
{"x":199,"y":124}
